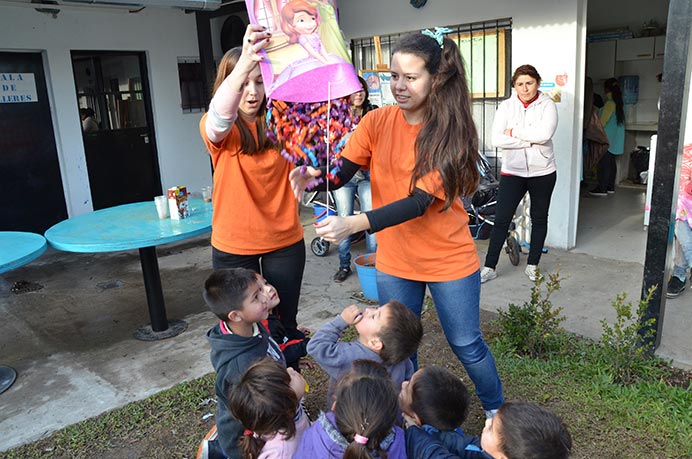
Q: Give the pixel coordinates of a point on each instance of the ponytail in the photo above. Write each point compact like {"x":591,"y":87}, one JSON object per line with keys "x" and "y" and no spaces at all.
{"x":448,"y":141}
{"x":251,"y":445}
{"x":612,"y":86}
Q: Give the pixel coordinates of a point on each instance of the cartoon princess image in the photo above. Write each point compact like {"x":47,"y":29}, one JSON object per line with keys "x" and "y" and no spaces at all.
{"x":332,"y":38}
{"x":300,"y":21}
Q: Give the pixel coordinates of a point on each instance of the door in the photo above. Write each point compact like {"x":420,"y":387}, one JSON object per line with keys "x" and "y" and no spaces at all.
{"x":32,"y":191}
{"x":118,"y":139}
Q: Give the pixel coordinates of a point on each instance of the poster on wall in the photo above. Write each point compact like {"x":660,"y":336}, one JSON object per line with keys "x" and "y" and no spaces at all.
{"x":306,"y":59}
{"x":17,"y":88}
{"x":372,"y":79}
{"x":484,"y":52}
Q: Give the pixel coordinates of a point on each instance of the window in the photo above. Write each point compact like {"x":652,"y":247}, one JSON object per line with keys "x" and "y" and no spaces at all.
{"x":191,"y":85}
{"x":486,"y":49}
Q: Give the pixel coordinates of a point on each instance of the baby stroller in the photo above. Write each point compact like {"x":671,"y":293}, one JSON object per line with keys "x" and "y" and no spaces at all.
{"x":481,"y":209}
{"x":324,"y":205}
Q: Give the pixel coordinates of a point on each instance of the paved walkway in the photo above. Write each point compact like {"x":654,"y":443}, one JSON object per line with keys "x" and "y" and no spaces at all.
{"x":71,"y":341}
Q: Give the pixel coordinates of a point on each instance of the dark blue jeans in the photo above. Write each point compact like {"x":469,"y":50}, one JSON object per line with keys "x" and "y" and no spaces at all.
{"x":345,"y":198}
{"x":282,"y":268}
{"x":458,"y":307}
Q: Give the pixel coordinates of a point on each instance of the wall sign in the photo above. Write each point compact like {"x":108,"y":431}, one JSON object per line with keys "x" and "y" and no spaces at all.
{"x":17,"y":88}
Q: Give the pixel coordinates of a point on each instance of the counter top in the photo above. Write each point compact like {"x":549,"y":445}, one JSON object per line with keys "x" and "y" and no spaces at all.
{"x":644,"y":126}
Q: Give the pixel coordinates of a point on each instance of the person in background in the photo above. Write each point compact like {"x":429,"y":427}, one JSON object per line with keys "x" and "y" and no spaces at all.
{"x":89,"y":123}
{"x":612,"y":117}
{"x":683,"y":232}
{"x":524,"y":126}
{"x":255,"y":223}
{"x":346,"y":195}
{"x":422,"y":154}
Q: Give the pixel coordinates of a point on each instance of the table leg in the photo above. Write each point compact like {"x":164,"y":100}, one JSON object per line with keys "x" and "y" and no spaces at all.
{"x":161,"y":327}
{"x":7,"y":377}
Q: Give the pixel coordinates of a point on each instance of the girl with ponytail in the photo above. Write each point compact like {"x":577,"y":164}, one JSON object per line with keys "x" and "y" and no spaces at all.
{"x":422,"y":154}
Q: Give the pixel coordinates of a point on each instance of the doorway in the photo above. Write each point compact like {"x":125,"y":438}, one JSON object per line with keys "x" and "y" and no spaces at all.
{"x":33,"y":195}
{"x":121,"y":154}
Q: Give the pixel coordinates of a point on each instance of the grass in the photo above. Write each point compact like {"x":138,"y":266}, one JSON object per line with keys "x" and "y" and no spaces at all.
{"x":649,"y":419}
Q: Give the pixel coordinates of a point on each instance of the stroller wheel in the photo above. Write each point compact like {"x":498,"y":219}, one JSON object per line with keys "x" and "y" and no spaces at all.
{"x":319,"y":247}
{"x":513,"y":250}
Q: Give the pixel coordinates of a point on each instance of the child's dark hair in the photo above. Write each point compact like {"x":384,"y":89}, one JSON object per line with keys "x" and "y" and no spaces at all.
{"x":364,"y":367}
{"x":439,"y":398}
{"x":248,"y":144}
{"x":529,"y":430}
{"x":263,"y":401}
{"x":448,"y":140}
{"x":365,"y":410}
{"x":226,"y":289}
{"x":401,"y":335}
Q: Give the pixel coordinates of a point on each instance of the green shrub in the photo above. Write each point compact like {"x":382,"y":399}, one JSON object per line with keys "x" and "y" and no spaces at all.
{"x":533,"y":329}
{"x":627,"y":344}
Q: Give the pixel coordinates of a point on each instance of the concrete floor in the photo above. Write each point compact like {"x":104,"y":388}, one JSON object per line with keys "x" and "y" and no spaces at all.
{"x":71,"y":341}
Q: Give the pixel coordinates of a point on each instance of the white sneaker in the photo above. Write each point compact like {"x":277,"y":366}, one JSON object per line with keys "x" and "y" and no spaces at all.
{"x":489,"y":414}
{"x":487,"y":274}
{"x":531,"y":272}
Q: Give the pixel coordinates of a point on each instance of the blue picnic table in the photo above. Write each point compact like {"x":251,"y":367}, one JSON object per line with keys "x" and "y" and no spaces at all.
{"x":17,"y":249}
{"x":135,"y":226}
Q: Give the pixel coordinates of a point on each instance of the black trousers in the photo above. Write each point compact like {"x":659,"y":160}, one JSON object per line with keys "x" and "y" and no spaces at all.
{"x":512,"y":190}
{"x":282,"y":268}
{"x":607,"y":169}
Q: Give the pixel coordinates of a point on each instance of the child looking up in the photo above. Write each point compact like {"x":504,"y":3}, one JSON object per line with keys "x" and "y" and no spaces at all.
{"x":293,"y":349}
{"x":361,"y":423}
{"x":525,"y":429}
{"x":237,"y":341}
{"x":267,"y":401}
{"x":435,"y":403}
{"x":389,"y":335}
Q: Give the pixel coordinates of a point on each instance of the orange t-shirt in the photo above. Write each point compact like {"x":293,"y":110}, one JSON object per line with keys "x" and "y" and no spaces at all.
{"x":255,"y":210}
{"x":434,"y":247}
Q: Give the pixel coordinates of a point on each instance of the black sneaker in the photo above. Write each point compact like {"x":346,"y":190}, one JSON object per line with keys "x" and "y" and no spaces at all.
{"x":675,"y":287}
{"x":598,"y":192}
{"x":342,"y":274}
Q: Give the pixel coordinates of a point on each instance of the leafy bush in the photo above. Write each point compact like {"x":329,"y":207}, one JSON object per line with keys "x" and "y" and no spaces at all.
{"x":533,"y":329}
{"x":627,"y":344}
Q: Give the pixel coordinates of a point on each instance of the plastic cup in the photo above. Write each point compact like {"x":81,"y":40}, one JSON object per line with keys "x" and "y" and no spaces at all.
{"x":206,"y":193}
{"x":161,"y":206}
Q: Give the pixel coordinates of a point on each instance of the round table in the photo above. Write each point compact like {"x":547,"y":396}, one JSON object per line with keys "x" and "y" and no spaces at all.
{"x":135,"y":226}
{"x":17,"y":249}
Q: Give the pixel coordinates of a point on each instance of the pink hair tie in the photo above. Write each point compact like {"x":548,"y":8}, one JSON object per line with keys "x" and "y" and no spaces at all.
{"x":360,"y":439}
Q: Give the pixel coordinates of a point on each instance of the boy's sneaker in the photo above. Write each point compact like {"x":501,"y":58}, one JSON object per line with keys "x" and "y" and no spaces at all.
{"x":342,"y":274}
{"x":487,"y":274}
{"x":210,"y":448}
{"x":611,"y":191}
{"x":489,"y":414}
{"x":675,"y":287}
{"x":531,"y":272}
{"x":598,"y":192}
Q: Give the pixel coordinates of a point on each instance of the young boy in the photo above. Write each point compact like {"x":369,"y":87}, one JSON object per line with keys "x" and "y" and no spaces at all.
{"x":238,"y":340}
{"x":293,"y":349}
{"x":389,"y":335}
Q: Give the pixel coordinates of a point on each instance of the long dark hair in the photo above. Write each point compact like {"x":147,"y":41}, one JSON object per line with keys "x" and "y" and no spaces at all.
{"x":365,"y":406}
{"x":248,"y":145}
{"x":448,"y":140}
{"x":263,"y":401}
{"x":612,"y":86}
{"x":367,"y":105}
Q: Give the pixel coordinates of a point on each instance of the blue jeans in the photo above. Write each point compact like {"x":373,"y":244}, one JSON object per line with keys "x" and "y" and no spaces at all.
{"x":683,"y":234}
{"x":345,"y":198}
{"x":457,"y":303}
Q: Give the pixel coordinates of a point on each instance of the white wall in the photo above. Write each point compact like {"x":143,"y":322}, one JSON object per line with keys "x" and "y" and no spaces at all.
{"x":549,"y":34}
{"x":163,"y":34}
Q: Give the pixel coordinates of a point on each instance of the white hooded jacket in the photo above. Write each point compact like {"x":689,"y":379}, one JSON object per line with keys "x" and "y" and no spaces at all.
{"x":528,"y":152}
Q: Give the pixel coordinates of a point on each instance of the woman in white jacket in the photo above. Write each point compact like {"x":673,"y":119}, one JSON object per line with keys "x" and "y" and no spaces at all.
{"x":523,"y":127}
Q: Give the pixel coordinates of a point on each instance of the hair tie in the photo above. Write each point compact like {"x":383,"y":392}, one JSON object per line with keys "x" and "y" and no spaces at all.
{"x":438,"y":34}
{"x":361,"y":440}
{"x":249,"y":433}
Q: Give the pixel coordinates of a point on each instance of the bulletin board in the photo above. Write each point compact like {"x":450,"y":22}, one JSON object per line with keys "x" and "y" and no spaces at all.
{"x":484,"y":52}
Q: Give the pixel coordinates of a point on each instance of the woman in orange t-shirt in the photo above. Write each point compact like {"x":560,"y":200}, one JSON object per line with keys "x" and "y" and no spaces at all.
{"x":422,"y":155}
{"x":255,"y":223}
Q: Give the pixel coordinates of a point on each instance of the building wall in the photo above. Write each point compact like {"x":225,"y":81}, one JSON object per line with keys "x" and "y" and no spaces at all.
{"x":163,"y":34}
{"x":547,"y":34}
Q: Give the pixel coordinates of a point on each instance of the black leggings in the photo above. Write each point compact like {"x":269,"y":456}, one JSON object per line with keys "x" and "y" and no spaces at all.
{"x":512,"y":189}
{"x":282,"y":268}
